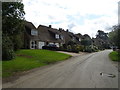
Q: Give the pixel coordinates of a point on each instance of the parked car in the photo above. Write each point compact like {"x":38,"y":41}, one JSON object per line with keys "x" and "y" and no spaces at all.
{"x":114,"y":48}
{"x":50,"y":47}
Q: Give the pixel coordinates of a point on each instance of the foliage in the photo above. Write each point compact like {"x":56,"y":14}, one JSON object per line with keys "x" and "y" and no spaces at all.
{"x":28,"y":59}
{"x":102,"y":35}
{"x":12,"y":17}
{"x":17,"y":41}
{"x":114,"y":56}
{"x":91,"y":48}
{"x":12,"y":28}
{"x":7,"y":48}
{"x":114,"y":36}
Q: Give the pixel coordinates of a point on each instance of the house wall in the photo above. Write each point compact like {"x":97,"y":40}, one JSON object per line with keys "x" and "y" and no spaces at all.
{"x":41,"y":44}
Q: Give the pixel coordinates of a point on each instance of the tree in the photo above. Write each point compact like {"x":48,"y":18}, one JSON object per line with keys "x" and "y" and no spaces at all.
{"x":114,"y":36}
{"x":105,"y":44}
{"x":102,"y":35}
{"x":12,"y":28}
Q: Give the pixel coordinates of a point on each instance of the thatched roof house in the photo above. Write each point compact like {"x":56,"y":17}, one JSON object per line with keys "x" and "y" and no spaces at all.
{"x":30,"y":35}
{"x":49,"y":35}
{"x":36,"y":38}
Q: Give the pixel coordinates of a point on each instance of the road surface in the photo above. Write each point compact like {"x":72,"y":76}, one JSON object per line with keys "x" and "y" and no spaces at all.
{"x":93,"y":70}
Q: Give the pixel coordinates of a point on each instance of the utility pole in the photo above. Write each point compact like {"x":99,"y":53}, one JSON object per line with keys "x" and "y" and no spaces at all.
{"x":119,"y":12}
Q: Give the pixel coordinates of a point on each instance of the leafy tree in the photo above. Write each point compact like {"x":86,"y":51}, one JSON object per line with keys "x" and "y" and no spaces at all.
{"x":114,"y":35}
{"x":102,"y":35}
{"x":12,"y":27}
{"x":105,"y":44}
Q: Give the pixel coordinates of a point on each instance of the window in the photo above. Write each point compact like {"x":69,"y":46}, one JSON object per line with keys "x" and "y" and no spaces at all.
{"x":33,"y":44}
{"x":57,"y":36}
{"x":34,"y":32}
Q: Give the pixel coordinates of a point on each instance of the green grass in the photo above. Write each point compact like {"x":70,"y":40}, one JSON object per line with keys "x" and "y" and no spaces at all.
{"x":114,"y":56}
{"x":0,"y":68}
{"x":29,"y":59}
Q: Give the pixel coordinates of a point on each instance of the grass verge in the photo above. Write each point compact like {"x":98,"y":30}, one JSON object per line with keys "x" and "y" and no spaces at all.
{"x":114,"y":56}
{"x":29,"y":59}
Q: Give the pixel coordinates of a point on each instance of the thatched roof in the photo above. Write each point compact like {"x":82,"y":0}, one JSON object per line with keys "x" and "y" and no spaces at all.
{"x":47,"y":34}
{"x":29,"y":26}
{"x":86,"y":36}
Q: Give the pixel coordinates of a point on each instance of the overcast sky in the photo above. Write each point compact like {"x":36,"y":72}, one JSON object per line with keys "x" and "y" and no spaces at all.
{"x":79,"y":16}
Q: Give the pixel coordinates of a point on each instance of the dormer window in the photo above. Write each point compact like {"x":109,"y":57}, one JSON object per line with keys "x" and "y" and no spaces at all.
{"x":57,"y":36}
{"x":34,"y":32}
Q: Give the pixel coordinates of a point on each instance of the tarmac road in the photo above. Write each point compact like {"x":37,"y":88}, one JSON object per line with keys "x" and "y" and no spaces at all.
{"x":94,"y":70}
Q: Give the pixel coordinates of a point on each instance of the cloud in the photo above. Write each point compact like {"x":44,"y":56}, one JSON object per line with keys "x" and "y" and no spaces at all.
{"x":81,"y":16}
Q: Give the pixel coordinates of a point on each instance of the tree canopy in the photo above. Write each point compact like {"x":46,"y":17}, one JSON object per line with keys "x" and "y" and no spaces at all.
{"x":12,"y":28}
{"x":114,"y":35}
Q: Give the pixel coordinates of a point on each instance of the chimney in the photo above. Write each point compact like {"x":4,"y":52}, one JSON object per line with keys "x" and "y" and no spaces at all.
{"x":67,"y":30}
{"x":50,"y":26}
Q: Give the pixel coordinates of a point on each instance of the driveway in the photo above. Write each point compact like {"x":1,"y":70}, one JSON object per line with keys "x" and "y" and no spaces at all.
{"x":93,"y":70}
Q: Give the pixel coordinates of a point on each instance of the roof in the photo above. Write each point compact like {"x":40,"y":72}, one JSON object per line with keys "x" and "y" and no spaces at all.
{"x":79,"y":35}
{"x":29,"y":25}
{"x":69,"y":36}
{"x":48,"y":34}
{"x":86,"y":36}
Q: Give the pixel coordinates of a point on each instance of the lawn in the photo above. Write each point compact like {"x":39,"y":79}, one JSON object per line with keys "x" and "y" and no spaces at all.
{"x":114,"y":56}
{"x":29,"y":59}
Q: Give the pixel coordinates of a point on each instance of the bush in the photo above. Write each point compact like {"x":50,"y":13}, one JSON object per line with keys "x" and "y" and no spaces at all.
{"x":115,"y":56}
{"x":88,"y":49}
{"x":7,"y":48}
{"x":72,"y":48}
{"x":50,"y":48}
{"x":91,"y":49}
{"x":80,"y":47}
{"x":17,"y":41}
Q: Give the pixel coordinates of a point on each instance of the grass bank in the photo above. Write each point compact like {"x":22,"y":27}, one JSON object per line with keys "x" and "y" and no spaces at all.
{"x":114,"y":56}
{"x":29,"y":59}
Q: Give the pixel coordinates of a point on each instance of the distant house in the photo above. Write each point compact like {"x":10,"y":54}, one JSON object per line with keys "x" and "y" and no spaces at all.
{"x":36,"y":38}
{"x":49,"y":35}
{"x":70,"y":37}
{"x":79,"y":37}
{"x":87,"y":37}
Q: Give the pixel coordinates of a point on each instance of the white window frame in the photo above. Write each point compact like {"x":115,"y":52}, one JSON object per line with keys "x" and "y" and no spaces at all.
{"x":57,"y":36}
{"x":34,"y":32}
{"x":32,"y":46}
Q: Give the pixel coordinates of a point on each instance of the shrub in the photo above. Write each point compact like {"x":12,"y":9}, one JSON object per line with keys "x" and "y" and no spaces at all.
{"x":7,"y":48}
{"x":88,"y":49}
{"x":80,"y":47}
{"x":17,"y":41}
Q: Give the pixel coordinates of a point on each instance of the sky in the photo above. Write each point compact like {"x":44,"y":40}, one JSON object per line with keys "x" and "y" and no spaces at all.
{"x":79,"y":16}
